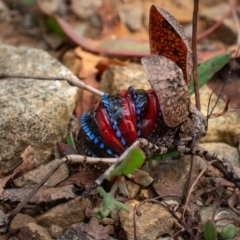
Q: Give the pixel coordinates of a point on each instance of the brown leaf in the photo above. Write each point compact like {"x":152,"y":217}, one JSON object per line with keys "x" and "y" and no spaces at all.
{"x":96,"y":230}
{"x":43,"y":195}
{"x":29,"y":163}
{"x":85,"y":179}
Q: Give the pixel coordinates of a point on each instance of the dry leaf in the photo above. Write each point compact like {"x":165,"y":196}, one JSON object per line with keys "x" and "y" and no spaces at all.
{"x":29,"y":163}
{"x":85,"y":179}
{"x":96,"y":230}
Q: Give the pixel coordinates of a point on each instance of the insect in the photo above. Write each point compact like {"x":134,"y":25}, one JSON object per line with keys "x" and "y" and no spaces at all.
{"x":157,"y":119}
{"x":156,"y":115}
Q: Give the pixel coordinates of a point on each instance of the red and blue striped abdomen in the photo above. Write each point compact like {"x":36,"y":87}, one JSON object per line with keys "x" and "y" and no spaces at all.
{"x":117,"y":121}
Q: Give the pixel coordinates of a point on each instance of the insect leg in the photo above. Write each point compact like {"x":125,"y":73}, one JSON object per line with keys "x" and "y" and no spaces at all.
{"x":222,"y":164}
{"x":141,"y":142}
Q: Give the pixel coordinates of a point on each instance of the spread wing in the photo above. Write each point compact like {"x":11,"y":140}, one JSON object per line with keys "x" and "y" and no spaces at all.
{"x":167,"y":38}
{"x":171,"y":89}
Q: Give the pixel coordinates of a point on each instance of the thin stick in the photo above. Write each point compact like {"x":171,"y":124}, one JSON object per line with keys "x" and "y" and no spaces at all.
{"x":192,"y":174}
{"x":194,"y":48}
{"x":192,"y":187}
{"x":35,"y":189}
{"x":72,"y":81}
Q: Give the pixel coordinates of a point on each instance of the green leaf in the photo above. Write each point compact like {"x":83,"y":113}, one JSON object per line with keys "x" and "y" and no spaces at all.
{"x":53,"y":25}
{"x":132,"y":161}
{"x":207,"y":69}
{"x":229,"y":231}
{"x":210,"y":232}
{"x":70,"y":140}
{"x":170,"y":153}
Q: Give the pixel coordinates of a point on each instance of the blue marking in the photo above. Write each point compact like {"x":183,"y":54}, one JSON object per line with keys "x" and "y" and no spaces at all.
{"x":90,"y":134}
{"x":137,"y":108}
{"x":113,"y":121}
{"x":92,"y":137}
{"x":109,"y":151}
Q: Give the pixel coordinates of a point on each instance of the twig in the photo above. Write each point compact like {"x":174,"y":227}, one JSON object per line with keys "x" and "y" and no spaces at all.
{"x":35,"y":189}
{"x":72,"y":81}
{"x":191,"y":173}
{"x":194,"y":48}
{"x":193,"y":185}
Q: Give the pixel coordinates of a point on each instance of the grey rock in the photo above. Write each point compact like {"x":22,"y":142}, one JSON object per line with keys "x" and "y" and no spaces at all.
{"x":65,"y":214}
{"x":19,"y":221}
{"x":32,"y":231}
{"x":223,"y":213}
{"x":224,"y":150}
{"x":221,"y":129}
{"x":33,"y":112}
{"x":85,"y":9}
{"x":33,"y":177}
{"x":118,"y":78}
{"x":3,"y":222}
{"x":55,"y":231}
{"x":75,"y":232}
{"x":153,"y":222}
{"x":133,"y":16}
{"x":142,"y":178}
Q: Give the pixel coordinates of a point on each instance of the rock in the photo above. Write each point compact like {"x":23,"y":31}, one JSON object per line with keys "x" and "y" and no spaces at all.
{"x":75,"y":231}
{"x":33,"y":112}
{"x":153,"y":222}
{"x":19,"y":221}
{"x":132,"y":189}
{"x":224,"y":150}
{"x":5,"y":237}
{"x":144,"y":194}
{"x":141,"y":178}
{"x":133,"y":16}
{"x":117,"y":78}
{"x":111,"y":229}
{"x":79,"y":231}
{"x":33,"y":177}
{"x":32,"y":231}
{"x":170,"y":177}
{"x":221,"y":129}
{"x":55,"y":231}
{"x":65,"y":214}
{"x":223,"y":213}
{"x":115,"y":216}
{"x":3,"y":222}
{"x":85,"y":9}
{"x":226,"y":32}
{"x":107,"y":221}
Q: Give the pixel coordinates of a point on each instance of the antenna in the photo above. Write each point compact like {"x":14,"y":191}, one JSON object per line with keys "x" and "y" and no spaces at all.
{"x":223,"y":86}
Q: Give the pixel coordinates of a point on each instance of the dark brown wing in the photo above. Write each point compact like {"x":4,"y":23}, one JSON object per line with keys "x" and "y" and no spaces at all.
{"x":167,"y":38}
{"x":167,"y":80}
